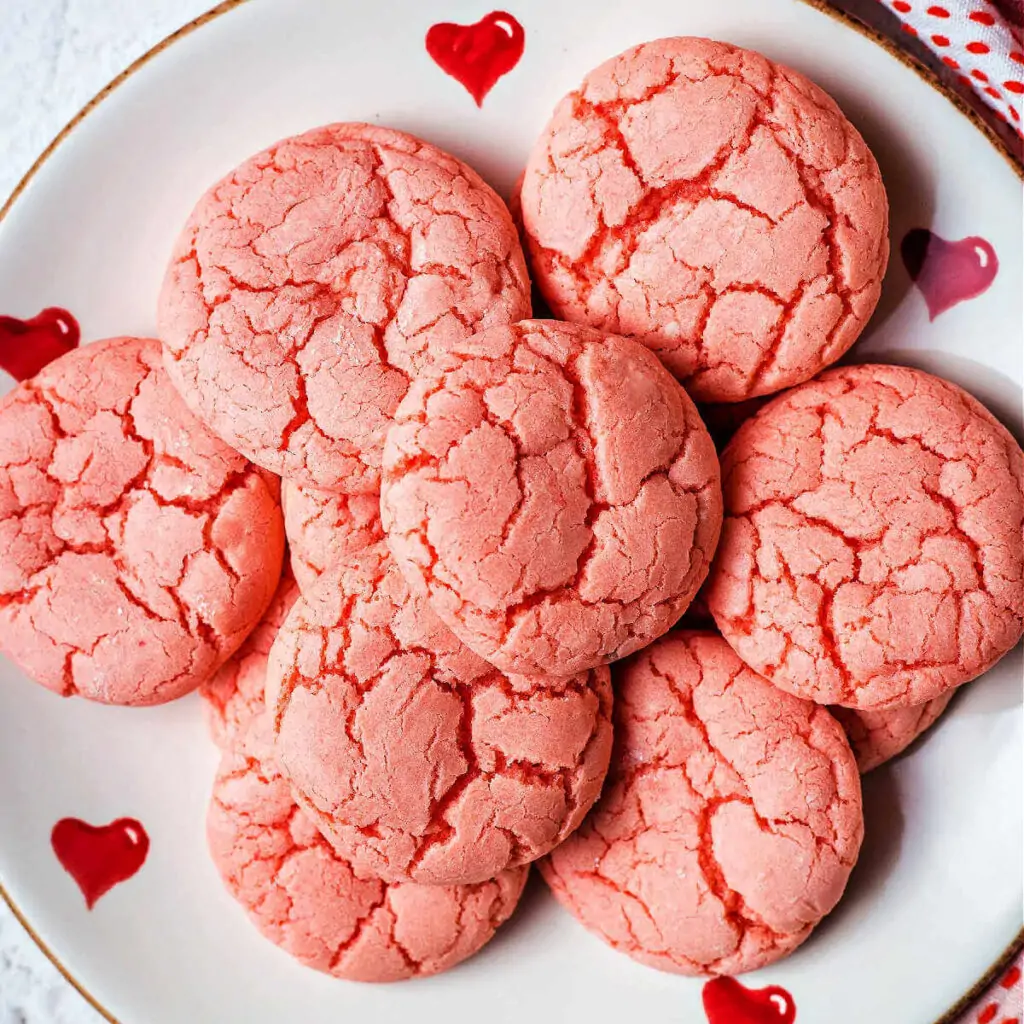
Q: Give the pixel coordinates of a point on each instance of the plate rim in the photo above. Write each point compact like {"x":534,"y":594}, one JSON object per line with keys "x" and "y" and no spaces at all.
{"x":909,"y":61}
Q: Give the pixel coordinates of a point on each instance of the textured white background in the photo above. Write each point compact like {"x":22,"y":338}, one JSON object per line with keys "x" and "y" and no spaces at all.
{"x":54,"y":56}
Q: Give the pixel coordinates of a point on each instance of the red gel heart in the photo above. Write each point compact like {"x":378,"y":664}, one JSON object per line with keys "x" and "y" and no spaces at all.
{"x":726,"y":1001}
{"x":98,"y":857}
{"x":477,"y":55}
{"x":948,"y":272}
{"x":26,"y":346}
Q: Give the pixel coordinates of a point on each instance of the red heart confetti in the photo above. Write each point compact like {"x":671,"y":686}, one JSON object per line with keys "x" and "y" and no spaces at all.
{"x":477,"y":55}
{"x":726,"y":1001}
{"x":948,"y":272}
{"x":98,"y":857}
{"x":26,"y":346}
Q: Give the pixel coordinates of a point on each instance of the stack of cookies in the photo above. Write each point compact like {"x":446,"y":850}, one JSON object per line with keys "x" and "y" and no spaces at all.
{"x":434,"y":565}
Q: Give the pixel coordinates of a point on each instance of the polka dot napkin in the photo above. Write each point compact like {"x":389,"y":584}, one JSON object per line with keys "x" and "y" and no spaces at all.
{"x":1002,"y":1003}
{"x":981,"y":40}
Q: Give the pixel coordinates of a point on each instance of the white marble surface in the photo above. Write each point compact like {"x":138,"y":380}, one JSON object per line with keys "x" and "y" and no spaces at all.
{"x":54,"y":56}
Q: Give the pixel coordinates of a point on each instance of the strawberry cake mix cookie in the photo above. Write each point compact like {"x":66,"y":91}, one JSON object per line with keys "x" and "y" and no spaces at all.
{"x":872,"y":554}
{"x":878,"y":736}
{"x":137,"y":551}
{"x":324,"y":527}
{"x":310,"y":284}
{"x":715,"y":205}
{"x":554,"y":492}
{"x":730,"y":821}
{"x":419,"y":761}
{"x":234,"y":694}
{"x":306,"y":899}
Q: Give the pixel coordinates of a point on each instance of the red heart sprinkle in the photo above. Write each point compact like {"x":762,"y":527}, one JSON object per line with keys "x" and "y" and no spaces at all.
{"x":26,"y":346}
{"x":98,"y":857}
{"x":726,"y":1001}
{"x":948,"y":272}
{"x":477,"y":55}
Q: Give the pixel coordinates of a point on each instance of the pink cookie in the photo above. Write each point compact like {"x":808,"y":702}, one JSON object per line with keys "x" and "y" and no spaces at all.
{"x":555,"y":493}
{"x":715,"y":205}
{"x":138,"y":550}
{"x":234,"y":694}
{"x":731,"y":819}
{"x":419,"y":761}
{"x":872,"y":554}
{"x":311,"y":282}
{"x":878,"y":736}
{"x":323,"y":528}
{"x":304,"y":898}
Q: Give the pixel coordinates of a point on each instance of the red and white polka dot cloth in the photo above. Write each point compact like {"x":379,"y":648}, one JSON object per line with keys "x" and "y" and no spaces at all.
{"x":981,"y":40}
{"x":1002,"y":1003}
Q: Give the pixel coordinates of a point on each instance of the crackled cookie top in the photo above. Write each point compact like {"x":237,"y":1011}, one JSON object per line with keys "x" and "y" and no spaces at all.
{"x":878,"y":736}
{"x":309,"y":901}
{"x":419,"y":761}
{"x":324,"y":527}
{"x":234,"y":694}
{"x":714,"y":205}
{"x":137,"y":551}
{"x":311,"y":282}
{"x":872,"y":554}
{"x":554,"y":492}
{"x":730,"y":821}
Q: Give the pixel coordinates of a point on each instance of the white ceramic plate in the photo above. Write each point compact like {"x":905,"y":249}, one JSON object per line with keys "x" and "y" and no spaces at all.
{"x":938,"y":895}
